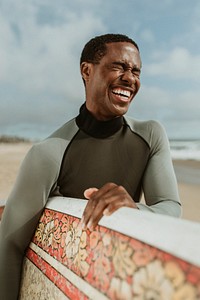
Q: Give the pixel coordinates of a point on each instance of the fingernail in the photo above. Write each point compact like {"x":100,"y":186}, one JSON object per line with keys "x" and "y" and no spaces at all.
{"x":106,"y":212}
{"x":82,"y":224}
{"x":90,"y":226}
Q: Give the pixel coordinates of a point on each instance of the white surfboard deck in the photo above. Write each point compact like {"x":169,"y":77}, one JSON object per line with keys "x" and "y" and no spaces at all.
{"x":130,"y":255}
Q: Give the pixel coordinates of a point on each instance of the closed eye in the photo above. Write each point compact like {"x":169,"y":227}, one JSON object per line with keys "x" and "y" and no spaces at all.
{"x":118,"y":66}
{"x":136,"y":72}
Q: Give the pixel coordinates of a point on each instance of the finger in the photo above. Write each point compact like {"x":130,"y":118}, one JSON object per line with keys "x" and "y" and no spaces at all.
{"x":115,"y":205}
{"x":93,"y":211}
{"x":99,"y":193}
{"x":119,"y":198}
{"x":101,"y":201}
{"x":96,"y":216}
{"x":87,"y":213}
{"x":94,"y":195}
{"x":105,"y":201}
{"x":88,"y":193}
{"x":108,"y":204}
{"x":89,"y":207}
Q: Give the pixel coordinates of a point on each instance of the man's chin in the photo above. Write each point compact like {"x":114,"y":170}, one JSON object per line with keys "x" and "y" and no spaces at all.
{"x":121,"y":109}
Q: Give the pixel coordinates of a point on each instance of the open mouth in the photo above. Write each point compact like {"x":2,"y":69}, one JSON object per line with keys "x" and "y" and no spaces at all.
{"x":122,"y":93}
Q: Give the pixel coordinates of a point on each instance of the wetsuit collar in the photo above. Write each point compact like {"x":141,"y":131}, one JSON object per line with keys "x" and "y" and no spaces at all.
{"x":95,"y":128}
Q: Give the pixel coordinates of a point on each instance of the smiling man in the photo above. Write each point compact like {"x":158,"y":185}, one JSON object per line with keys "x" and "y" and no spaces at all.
{"x":101,"y":155}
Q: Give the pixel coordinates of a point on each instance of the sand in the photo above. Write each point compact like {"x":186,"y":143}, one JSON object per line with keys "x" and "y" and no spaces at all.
{"x":188,"y":176}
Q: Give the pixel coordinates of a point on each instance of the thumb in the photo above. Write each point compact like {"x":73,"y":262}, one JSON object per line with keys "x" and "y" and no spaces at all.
{"x":88,"y":193}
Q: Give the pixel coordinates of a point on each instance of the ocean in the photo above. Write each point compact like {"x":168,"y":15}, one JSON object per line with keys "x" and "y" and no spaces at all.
{"x":185,"y":149}
{"x":186,"y":157}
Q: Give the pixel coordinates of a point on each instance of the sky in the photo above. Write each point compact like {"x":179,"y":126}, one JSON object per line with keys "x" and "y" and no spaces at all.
{"x":40,"y":46}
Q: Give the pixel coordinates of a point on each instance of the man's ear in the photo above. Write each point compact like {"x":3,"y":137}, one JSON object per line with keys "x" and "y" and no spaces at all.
{"x":86,"y":70}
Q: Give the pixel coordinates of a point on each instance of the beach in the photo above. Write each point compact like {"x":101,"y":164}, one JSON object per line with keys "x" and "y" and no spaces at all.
{"x":187,"y":172}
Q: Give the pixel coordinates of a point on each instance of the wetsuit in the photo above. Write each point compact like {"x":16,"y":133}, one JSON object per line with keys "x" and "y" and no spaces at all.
{"x":85,"y":153}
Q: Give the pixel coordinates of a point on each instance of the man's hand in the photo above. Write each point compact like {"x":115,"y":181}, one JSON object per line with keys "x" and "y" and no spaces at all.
{"x":104,"y":201}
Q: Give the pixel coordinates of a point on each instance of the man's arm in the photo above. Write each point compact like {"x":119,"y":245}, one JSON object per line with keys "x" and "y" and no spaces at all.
{"x":37,"y":175}
{"x":159,"y":180}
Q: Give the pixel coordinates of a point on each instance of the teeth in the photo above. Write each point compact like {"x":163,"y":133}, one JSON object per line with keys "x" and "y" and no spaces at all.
{"x":121,"y":92}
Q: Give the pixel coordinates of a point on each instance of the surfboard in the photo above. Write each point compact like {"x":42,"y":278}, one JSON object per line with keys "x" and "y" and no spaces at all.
{"x":1,"y":211}
{"x":130,"y":255}
{"x":2,"y":206}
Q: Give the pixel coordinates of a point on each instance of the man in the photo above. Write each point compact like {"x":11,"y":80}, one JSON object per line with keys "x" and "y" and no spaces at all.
{"x":100,"y":154}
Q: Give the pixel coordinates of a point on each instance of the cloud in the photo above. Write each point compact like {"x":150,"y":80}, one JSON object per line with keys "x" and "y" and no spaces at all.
{"x":41,"y":41}
{"x":147,"y":36}
{"x":177,"y":111}
{"x":163,"y":104}
{"x":36,"y":56}
{"x":40,"y":48}
{"x":178,"y":63}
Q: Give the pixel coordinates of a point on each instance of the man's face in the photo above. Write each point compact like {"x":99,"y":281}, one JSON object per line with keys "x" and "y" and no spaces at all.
{"x":112,"y":84}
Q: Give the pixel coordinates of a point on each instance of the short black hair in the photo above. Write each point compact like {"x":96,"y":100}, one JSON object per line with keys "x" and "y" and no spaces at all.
{"x":96,"y":48}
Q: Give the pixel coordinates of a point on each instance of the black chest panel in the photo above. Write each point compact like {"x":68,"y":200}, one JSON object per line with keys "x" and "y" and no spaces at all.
{"x":92,"y":162}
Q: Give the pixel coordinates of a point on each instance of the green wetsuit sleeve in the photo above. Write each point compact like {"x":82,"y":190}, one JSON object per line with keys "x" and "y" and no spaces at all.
{"x":37,"y":176}
{"x":159,"y":181}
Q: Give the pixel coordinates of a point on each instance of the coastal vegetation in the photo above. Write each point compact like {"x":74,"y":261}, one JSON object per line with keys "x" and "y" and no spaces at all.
{"x":5,"y":139}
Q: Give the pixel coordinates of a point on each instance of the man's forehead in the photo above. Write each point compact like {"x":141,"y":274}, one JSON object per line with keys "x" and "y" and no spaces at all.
{"x":124,"y":51}
{"x":124,"y":46}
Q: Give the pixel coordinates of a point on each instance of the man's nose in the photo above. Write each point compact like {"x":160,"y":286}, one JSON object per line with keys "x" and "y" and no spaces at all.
{"x":128,"y":76}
